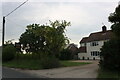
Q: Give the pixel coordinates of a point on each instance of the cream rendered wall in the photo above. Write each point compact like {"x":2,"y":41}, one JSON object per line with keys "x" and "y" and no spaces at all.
{"x":81,"y":55}
{"x":94,"y":48}
{"x":91,"y":48}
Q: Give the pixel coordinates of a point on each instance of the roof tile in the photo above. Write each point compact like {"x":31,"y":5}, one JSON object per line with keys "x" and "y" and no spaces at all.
{"x":97,"y":36}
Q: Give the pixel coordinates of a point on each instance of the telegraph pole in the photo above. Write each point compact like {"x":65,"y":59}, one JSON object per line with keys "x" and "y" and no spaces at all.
{"x":3,"y":31}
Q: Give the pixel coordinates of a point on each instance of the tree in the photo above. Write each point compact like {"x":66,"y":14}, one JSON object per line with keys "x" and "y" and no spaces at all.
{"x":49,"y":39}
{"x":28,"y":39}
{"x":110,"y":52}
{"x":65,"y":55}
{"x":56,"y":39}
{"x":115,"y":19}
{"x":110,"y":55}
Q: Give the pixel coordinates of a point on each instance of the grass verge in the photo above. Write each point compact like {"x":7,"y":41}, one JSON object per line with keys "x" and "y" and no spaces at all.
{"x":70,"y":63}
{"x":23,"y":64}
{"x":108,"y":74}
{"x":35,"y":64}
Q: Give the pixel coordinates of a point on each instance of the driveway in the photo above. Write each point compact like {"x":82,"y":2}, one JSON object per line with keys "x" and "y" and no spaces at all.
{"x":85,"y":71}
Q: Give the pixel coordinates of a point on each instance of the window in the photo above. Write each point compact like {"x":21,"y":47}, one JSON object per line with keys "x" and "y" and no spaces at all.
{"x":95,"y":43}
{"x":95,"y":53}
{"x":83,"y":44}
{"x":98,"y":53}
{"x":91,"y":53}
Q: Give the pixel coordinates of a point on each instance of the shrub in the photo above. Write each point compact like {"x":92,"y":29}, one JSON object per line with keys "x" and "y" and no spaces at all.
{"x":8,"y":53}
{"x":48,"y":62}
{"x":110,"y":56}
{"x":65,"y":55}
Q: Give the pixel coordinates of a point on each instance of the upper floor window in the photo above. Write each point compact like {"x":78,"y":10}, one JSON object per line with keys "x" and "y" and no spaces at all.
{"x":95,"y":43}
{"x":83,"y":44}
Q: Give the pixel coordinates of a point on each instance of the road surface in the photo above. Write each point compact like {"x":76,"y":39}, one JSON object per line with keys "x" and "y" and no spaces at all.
{"x":13,"y":73}
{"x":85,"y":71}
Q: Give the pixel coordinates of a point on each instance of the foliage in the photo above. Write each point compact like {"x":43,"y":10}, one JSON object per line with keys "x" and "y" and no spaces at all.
{"x":115,"y":19}
{"x":9,"y":42}
{"x":23,"y":64}
{"x":110,"y":52}
{"x":108,"y":74}
{"x":35,"y":64}
{"x":65,"y":55}
{"x":49,"y":39}
{"x":110,"y":55}
{"x":48,"y":62}
{"x":8,"y":52}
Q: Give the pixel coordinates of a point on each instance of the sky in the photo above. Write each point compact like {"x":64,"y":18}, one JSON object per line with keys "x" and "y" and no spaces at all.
{"x":86,"y":16}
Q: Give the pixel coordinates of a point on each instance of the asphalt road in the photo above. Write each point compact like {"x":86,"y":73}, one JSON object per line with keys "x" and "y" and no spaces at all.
{"x":85,"y":71}
{"x":12,"y":73}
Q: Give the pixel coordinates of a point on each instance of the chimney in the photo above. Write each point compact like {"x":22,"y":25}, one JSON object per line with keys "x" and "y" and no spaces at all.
{"x":104,"y":29}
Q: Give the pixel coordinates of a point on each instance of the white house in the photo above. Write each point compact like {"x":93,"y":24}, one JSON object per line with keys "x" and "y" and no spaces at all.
{"x":90,"y":46}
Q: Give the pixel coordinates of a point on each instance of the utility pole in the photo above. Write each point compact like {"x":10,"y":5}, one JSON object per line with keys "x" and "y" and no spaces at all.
{"x":3,"y":31}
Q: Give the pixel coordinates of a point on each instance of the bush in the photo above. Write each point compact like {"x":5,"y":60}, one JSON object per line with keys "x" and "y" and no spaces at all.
{"x":110,"y":55}
{"x":8,"y":53}
{"x":65,"y":55}
{"x":48,"y":62}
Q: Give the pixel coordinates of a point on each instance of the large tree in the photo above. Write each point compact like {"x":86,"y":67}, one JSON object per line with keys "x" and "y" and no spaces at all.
{"x":49,"y":39}
{"x":115,"y":19}
{"x":110,"y":52}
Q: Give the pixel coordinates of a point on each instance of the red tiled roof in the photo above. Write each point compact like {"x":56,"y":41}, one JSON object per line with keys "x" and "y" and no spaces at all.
{"x":82,"y":49}
{"x":84,"y":39}
{"x":72,"y":47}
{"x":97,"y":36}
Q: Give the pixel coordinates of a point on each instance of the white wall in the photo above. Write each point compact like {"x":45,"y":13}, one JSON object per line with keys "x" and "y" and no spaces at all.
{"x":94,"y":48}
{"x":90,"y":49}
{"x":81,"y":55}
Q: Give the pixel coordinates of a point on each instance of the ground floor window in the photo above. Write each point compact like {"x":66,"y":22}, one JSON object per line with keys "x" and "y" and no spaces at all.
{"x":95,"y":53}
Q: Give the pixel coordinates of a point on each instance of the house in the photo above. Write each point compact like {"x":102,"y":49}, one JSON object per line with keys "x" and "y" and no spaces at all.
{"x":90,"y":46}
{"x":73,"y":49}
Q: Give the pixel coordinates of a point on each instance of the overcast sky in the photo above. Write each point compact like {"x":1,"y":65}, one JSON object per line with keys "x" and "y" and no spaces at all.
{"x":86,"y":16}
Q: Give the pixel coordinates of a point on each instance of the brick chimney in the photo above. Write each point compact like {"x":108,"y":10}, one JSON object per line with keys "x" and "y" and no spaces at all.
{"x":104,"y":29}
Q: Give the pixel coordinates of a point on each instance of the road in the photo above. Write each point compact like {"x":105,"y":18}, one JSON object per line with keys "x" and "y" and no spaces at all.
{"x":13,"y":73}
{"x":85,"y":71}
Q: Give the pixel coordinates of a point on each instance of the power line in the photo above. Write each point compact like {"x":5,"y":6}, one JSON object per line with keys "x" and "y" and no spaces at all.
{"x":3,"y":29}
{"x":16,"y":8}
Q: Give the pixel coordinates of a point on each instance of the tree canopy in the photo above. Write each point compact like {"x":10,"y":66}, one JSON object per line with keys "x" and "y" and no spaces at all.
{"x":115,"y":19}
{"x":49,"y":39}
{"x":110,"y":52}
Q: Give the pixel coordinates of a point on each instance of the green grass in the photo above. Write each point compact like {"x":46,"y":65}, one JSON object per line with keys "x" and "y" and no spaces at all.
{"x":70,"y":63}
{"x":108,"y":74}
{"x":23,"y":64}
{"x":35,"y":64}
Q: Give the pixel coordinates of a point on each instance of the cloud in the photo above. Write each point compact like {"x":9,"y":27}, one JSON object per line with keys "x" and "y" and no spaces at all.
{"x":85,"y":17}
{"x":62,"y":0}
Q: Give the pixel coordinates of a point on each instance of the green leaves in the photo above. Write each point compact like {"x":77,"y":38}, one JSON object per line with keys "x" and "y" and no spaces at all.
{"x":115,"y":17}
{"x":110,"y":52}
{"x":45,"y":38}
